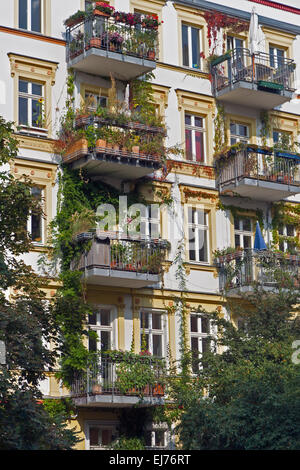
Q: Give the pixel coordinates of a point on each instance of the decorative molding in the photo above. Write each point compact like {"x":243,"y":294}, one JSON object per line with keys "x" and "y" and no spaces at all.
{"x":188,"y":194}
{"x":42,"y":69}
{"x":34,"y":143}
{"x":191,"y":169}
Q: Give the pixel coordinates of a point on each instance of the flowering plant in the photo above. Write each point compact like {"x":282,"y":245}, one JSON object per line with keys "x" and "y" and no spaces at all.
{"x":115,"y":38}
{"x":104,"y":8}
{"x":151,"y":21}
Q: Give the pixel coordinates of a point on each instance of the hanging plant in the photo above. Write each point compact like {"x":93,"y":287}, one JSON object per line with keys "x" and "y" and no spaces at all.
{"x":217,"y":21}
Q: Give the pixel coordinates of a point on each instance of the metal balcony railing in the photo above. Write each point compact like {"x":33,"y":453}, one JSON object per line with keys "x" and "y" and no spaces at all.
{"x":268,"y":268}
{"x":103,"y":376}
{"x":122,"y":254}
{"x":253,"y":163}
{"x":266,"y":71}
{"x":104,"y":33}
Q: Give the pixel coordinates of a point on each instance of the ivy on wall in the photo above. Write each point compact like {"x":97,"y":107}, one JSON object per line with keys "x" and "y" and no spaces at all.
{"x":285,"y":214}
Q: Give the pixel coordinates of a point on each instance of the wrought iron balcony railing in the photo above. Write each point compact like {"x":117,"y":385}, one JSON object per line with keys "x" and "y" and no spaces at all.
{"x":267,"y":268}
{"x":239,"y":168}
{"x":268,"y":72}
{"x":108,"y":35}
{"x":141,"y":377}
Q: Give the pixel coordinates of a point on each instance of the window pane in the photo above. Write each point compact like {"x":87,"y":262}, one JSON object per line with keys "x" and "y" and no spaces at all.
{"x":275,"y":136}
{"x":202,"y":217}
{"x":204,"y":325}
{"x":144,"y":320}
{"x":195,"y":48}
{"x":194,"y":323}
{"x":195,"y":345}
{"x":243,"y":130}
{"x":188,"y":119}
{"x":272,"y":61}
{"x":192,"y":252}
{"x":37,"y":89}
{"x":23,"y":111}
{"x":36,"y":113}
{"x":105,"y":317}
{"x":159,"y":438}
{"x":23,"y":14}
{"x":247,"y":225}
{"x":23,"y":86}
{"x":92,"y":345}
{"x":36,"y":15}
{"x":199,"y":147}
{"x":156,"y":321}
{"x":93,"y":319}
{"x":232,"y":128}
{"x":191,"y":215}
{"x":36,"y":228}
{"x":185,"y":46}
{"x":188,"y":144}
{"x":202,"y":234}
{"x":154,"y":230}
{"x":198,"y":121}
{"x":94,"y":436}
{"x":205,"y":344}
{"x":237,"y":241}
{"x":105,"y":340}
{"x":157,"y":345}
{"x":290,"y":230}
{"x":106,"y":437}
{"x":236,"y":223}
{"x":247,"y":242}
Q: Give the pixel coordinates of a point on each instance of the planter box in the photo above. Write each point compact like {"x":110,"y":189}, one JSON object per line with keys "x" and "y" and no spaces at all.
{"x":95,"y":42}
{"x":78,"y":147}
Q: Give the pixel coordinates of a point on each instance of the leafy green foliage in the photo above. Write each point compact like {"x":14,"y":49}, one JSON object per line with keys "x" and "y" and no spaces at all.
{"x":125,"y":443}
{"x":247,"y":395}
{"x":27,"y":324}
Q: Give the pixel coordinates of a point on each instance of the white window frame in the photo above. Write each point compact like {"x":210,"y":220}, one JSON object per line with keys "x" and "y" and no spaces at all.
{"x":241,"y":232}
{"x":197,"y":226}
{"x":42,"y":221}
{"x":275,"y":55}
{"x":150,"y":221}
{"x":237,"y":137}
{"x":284,"y":234}
{"x":158,"y":427}
{"x":150,"y":331}
{"x":29,"y":3}
{"x":232,"y":40}
{"x":112,"y":328}
{"x":30,"y":97}
{"x":103,"y":425}
{"x":200,"y":335}
{"x":193,"y":128}
{"x":190,"y":53}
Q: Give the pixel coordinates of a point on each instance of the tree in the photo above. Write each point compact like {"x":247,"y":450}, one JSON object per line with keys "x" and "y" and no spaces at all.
{"x":27,"y":323}
{"x":246,"y":394}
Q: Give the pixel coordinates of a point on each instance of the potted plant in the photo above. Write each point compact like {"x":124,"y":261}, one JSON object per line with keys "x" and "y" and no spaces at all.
{"x":115,"y":41}
{"x":103,"y":9}
{"x":75,"y":18}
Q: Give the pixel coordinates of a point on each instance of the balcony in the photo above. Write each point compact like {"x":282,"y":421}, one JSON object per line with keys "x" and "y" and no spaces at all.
{"x":103,"y":46}
{"x":241,"y":269}
{"x":129,"y":150}
{"x":120,"y":382}
{"x":255,"y":80}
{"x":121,"y":262}
{"x":259,"y":174}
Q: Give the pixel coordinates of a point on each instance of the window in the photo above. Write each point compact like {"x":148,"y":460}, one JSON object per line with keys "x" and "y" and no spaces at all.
{"x":191,"y":46}
{"x":100,"y":435}
{"x":35,"y":223}
{"x":282,"y":140}
{"x":234,"y":43}
{"x":200,"y":342}
{"x":31,"y":104}
{"x":284,"y":232}
{"x":150,"y":222}
{"x":156,"y":438}
{"x":94,"y":100}
{"x":239,"y":133}
{"x":101,"y":323}
{"x":152,"y":332}
{"x":198,"y":234}
{"x":276,"y":56}
{"x":30,"y":15}
{"x":194,"y":138}
{"x":243,"y":232}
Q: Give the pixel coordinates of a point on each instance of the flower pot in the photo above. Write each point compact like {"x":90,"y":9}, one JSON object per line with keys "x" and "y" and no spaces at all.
{"x":151,"y":55}
{"x":135,"y":149}
{"x":96,"y":389}
{"x":101,"y":143}
{"x":112,"y":47}
{"x":95,"y":42}
{"x":116,"y":147}
{"x":158,"y":390}
{"x":100,"y":13}
{"x":78,"y":147}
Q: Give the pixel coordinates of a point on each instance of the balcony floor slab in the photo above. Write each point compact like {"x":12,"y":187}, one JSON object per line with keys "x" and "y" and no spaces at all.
{"x":103,"y":62}
{"x":247,"y":94}
{"x":120,"y":401}
{"x":259,"y":189}
{"x":116,"y":278}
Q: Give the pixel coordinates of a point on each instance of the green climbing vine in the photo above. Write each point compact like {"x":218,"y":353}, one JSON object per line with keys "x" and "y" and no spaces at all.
{"x":285,"y":214}
{"x":220,"y":137}
{"x":265,"y":129}
{"x":238,"y":212}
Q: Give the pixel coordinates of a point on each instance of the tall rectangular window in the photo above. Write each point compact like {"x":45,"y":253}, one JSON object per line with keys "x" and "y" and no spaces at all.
{"x":152,"y":332}
{"x":195,"y":148}
{"x":243,"y":232}
{"x":150,"y":222}
{"x":198,"y":247}
{"x":35,"y":223}
{"x":276,"y":56}
{"x":94,"y":100}
{"x":287,"y":234}
{"x":31,"y":104}
{"x":30,"y":15}
{"x":239,"y":133}
{"x":101,"y":323}
{"x":191,"y":46}
{"x":200,"y":341}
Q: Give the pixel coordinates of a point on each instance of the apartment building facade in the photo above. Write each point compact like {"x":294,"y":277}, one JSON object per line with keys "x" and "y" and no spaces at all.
{"x":215,"y":89}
